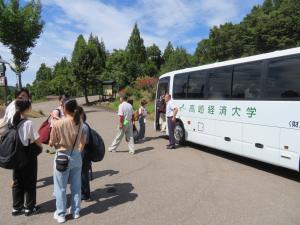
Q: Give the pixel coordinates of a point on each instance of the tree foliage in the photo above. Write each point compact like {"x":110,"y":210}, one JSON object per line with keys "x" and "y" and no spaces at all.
{"x":20,"y":27}
{"x":274,"y":25}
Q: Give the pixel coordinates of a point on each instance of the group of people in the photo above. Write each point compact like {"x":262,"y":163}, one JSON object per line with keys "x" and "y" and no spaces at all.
{"x":167,"y":113}
{"x":69,"y":140}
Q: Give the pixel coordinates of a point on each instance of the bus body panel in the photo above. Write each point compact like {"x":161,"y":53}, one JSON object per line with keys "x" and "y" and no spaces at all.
{"x":265,"y":129}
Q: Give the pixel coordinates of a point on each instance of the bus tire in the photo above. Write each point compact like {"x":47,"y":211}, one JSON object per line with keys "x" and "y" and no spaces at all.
{"x":179,"y":133}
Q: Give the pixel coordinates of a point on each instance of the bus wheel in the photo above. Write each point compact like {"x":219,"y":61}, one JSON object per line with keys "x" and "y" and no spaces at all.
{"x":179,"y":133}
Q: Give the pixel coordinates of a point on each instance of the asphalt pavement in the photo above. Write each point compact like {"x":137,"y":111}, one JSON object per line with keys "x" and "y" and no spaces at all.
{"x":190,"y":185}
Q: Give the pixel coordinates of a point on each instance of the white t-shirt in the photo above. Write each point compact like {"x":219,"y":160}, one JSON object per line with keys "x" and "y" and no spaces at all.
{"x":126,"y":110}
{"x":143,"y":111}
{"x":10,"y":112}
{"x":27,"y":133}
{"x":170,"y":108}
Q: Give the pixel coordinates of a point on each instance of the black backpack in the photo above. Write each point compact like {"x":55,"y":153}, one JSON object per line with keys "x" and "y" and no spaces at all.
{"x":96,"y":146}
{"x":12,"y":151}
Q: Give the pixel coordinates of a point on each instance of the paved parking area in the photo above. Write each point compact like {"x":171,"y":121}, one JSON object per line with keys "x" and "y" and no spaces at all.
{"x":187,"y":186}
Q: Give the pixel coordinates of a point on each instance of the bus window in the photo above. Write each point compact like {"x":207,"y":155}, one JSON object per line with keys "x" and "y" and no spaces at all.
{"x":180,"y":86}
{"x":220,"y":83}
{"x":283,"y":80}
{"x":246,"y":81}
{"x":163,"y":87}
{"x":197,"y":83}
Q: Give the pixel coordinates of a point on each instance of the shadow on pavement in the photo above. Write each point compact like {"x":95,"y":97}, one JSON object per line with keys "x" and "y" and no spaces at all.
{"x":276,"y":170}
{"x":104,"y":198}
{"x":44,"y":182}
{"x":146,"y":149}
{"x":109,"y":197}
{"x":139,"y":150}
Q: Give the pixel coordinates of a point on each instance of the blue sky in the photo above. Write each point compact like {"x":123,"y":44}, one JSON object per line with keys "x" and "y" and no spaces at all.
{"x":184,"y":22}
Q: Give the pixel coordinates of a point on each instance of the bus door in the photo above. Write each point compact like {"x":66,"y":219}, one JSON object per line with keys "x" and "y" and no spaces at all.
{"x":162,"y":88}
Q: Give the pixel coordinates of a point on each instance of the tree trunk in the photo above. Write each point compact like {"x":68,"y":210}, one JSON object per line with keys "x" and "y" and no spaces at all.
{"x":86,"y":96}
{"x":19,"y":80}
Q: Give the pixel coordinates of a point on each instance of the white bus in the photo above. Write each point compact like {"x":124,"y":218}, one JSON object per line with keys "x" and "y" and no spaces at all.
{"x":248,"y":106}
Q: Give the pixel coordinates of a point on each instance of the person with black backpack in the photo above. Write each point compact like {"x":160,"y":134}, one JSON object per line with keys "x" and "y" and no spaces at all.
{"x":86,"y":159}
{"x":25,"y":178}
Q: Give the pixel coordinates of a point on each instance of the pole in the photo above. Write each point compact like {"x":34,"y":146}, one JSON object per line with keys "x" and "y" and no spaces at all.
{"x":5,"y":91}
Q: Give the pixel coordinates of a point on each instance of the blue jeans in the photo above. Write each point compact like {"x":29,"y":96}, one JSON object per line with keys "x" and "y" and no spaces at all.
{"x":61,"y":179}
{"x":85,"y":178}
{"x":142,"y":127}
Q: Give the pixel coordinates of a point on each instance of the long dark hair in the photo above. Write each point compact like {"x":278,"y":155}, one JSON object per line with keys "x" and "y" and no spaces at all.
{"x":72,"y":107}
{"x":21,"y":106}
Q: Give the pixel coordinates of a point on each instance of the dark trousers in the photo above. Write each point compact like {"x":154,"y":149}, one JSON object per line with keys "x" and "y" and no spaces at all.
{"x":85,"y":178}
{"x":171,"y":127}
{"x":142,"y":127}
{"x":24,"y":185}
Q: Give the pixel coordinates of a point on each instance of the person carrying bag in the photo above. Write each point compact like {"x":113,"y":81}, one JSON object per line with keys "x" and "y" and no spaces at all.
{"x":66,"y":137}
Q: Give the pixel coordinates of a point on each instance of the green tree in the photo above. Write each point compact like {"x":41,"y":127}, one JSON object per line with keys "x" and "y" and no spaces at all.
{"x":136,"y":55}
{"x":20,"y":27}
{"x":154,"y":57}
{"x":135,"y":47}
{"x":274,"y":25}
{"x":98,"y":60}
{"x":63,"y":81}
{"x":44,"y":73}
{"x":116,"y":66}
{"x":81,"y":62}
{"x":179,"y":59}
{"x":168,"y":51}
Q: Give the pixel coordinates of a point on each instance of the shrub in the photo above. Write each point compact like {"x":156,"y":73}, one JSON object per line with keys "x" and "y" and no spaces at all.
{"x":146,"y":83}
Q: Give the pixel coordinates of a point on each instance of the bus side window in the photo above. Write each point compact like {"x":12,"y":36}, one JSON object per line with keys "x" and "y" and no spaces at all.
{"x":196,"y":87}
{"x":246,"y":81}
{"x":220,"y":83}
{"x":283,"y":80}
{"x":180,"y":86}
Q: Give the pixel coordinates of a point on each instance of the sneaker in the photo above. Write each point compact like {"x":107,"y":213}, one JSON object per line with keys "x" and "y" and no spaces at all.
{"x":33,"y":211}
{"x":60,"y":219}
{"x":76,"y":216}
{"x":89,"y":199}
{"x":171,"y":147}
{"x":131,"y":152}
{"x":17,"y":212}
{"x":111,"y":150}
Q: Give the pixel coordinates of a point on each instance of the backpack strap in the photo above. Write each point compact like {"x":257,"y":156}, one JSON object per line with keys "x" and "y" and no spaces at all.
{"x":20,"y":123}
{"x":90,"y":133}
{"x":75,"y":139}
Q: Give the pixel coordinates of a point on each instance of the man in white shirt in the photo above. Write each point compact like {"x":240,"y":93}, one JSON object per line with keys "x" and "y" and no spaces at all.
{"x":125,"y":126}
{"x":171,"y":112}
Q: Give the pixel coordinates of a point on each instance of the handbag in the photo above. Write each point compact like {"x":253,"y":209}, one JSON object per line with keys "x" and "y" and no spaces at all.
{"x":62,"y":161}
{"x":45,"y":131}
